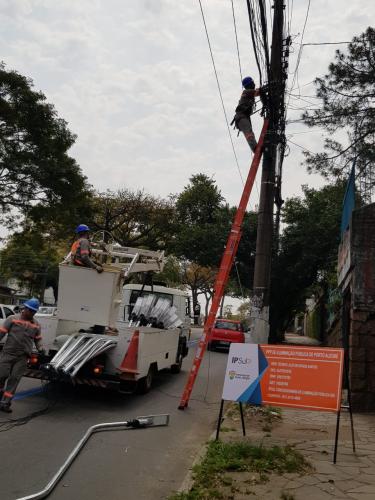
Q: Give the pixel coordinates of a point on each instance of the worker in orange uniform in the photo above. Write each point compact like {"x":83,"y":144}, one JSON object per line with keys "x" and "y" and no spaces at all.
{"x":81,"y":249}
{"x":22,"y":332}
{"x":244,"y":111}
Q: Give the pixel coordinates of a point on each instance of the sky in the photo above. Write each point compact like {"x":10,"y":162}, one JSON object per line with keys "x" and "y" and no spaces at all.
{"x":135,"y":82}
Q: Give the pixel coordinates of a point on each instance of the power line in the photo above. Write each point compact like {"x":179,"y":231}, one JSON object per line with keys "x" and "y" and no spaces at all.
{"x":239,"y":65}
{"x":324,"y":43}
{"x":299,"y":146}
{"x":299,"y":55}
{"x":238,"y":50}
{"x":250,"y":11}
{"x":219,"y":88}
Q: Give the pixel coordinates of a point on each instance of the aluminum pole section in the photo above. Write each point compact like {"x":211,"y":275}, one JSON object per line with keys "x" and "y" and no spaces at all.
{"x":138,"y":423}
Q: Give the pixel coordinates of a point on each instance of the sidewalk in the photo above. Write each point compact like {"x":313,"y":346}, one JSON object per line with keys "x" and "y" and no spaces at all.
{"x":312,"y":434}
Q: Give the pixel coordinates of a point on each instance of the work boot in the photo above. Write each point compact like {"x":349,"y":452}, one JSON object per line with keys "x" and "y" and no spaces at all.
{"x":5,"y":407}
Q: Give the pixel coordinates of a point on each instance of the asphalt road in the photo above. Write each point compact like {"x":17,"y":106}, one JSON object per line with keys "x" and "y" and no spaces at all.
{"x":132,"y":464}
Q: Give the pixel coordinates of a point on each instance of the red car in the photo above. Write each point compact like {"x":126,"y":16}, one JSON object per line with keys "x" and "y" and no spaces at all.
{"x":226,"y":331}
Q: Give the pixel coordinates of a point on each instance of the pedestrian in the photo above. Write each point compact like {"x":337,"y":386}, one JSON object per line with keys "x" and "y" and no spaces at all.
{"x":244,"y":109}
{"x":81,"y":249}
{"x":22,"y":332}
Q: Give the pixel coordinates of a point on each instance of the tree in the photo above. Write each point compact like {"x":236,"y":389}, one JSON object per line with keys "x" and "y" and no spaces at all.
{"x":199,"y":279}
{"x":203,"y":225}
{"x":202,"y":222}
{"x":133,"y":218}
{"x":32,"y":260}
{"x":308,"y":254}
{"x":36,"y":172}
{"x":347,"y":92}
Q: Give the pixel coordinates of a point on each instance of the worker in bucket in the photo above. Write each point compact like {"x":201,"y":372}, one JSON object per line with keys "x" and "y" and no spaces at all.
{"x":244,"y":109}
{"x":81,"y":249}
{"x":22,"y":333}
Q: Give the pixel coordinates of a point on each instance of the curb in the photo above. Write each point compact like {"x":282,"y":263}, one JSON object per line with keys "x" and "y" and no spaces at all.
{"x":188,"y":480}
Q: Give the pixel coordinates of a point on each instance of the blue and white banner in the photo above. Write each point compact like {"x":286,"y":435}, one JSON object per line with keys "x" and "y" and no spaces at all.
{"x":349,"y":201}
{"x":245,"y":368}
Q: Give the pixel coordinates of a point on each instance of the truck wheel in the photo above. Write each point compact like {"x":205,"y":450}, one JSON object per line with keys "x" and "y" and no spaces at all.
{"x":176,"y":368}
{"x":144,"y":384}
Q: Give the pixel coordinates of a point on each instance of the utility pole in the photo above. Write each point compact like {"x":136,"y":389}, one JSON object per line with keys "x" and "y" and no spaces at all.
{"x":260,"y":302}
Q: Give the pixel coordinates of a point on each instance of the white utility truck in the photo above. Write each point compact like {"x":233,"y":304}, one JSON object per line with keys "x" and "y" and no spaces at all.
{"x":111,"y":335}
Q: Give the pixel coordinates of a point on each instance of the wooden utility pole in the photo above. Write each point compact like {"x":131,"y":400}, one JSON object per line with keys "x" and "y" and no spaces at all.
{"x":264,"y":244}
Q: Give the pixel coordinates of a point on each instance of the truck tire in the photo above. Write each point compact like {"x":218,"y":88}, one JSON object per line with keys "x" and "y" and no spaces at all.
{"x":144,"y":384}
{"x":176,"y":368}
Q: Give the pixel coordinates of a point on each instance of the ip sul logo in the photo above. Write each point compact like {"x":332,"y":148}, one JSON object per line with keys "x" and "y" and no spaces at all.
{"x":240,"y":360}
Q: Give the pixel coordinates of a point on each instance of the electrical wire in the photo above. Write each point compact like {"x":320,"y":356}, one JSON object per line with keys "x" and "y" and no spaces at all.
{"x":219,"y":89}
{"x":324,"y":43}
{"x":298,"y":57}
{"x":238,"y":50}
{"x":253,"y":38}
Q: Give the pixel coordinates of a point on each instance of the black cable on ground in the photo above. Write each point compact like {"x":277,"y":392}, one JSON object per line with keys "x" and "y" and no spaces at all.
{"x":8,"y":424}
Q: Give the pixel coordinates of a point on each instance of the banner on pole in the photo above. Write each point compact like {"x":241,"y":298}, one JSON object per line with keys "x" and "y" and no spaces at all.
{"x":301,"y":377}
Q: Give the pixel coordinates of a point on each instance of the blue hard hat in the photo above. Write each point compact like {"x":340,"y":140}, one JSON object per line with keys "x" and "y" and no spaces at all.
{"x":82,"y":228}
{"x":248,"y":82}
{"x":32,"y":304}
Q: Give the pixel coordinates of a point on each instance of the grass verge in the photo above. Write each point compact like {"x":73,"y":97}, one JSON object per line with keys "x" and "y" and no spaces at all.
{"x":212,"y":475}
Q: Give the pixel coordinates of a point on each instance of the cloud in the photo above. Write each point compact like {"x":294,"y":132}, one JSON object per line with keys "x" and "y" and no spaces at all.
{"x":135,"y":82}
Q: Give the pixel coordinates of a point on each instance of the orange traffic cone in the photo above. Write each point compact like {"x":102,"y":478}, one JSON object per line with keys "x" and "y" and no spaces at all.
{"x":130,"y":362}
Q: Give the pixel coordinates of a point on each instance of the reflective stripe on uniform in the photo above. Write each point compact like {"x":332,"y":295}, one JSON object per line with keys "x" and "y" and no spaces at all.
{"x":25,"y":323}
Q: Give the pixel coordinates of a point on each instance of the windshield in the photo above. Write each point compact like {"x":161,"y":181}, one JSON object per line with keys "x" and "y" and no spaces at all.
{"x":227,"y":325}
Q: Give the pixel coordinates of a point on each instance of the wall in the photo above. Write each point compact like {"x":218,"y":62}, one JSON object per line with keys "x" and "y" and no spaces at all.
{"x":362,"y":310}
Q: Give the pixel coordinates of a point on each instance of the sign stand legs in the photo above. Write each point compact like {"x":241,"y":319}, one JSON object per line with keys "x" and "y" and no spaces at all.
{"x":349,"y":407}
{"x":242,"y":420}
{"x":337,"y":435}
{"x":349,"y":402}
{"x":219,"y":420}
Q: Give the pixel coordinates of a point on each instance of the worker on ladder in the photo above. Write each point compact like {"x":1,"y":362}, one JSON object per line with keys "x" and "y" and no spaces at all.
{"x":80,"y":253}
{"x":244,"y":110}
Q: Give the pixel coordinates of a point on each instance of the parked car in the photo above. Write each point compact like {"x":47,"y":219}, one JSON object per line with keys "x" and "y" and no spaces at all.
{"x":226,"y":331}
{"x":5,"y":311}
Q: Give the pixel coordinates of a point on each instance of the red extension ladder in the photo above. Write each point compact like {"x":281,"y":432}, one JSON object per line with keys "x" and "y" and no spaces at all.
{"x":225,"y":268}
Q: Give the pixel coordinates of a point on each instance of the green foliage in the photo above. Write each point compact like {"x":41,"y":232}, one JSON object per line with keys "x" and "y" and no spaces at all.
{"x":133,"y":218}
{"x":32,"y":259}
{"x":314,"y":324}
{"x":38,"y":179}
{"x":199,"y":201}
{"x":239,"y":456}
{"x":347,"y":92}
{"x":308,"y":255}
{"x":203,"y":223}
